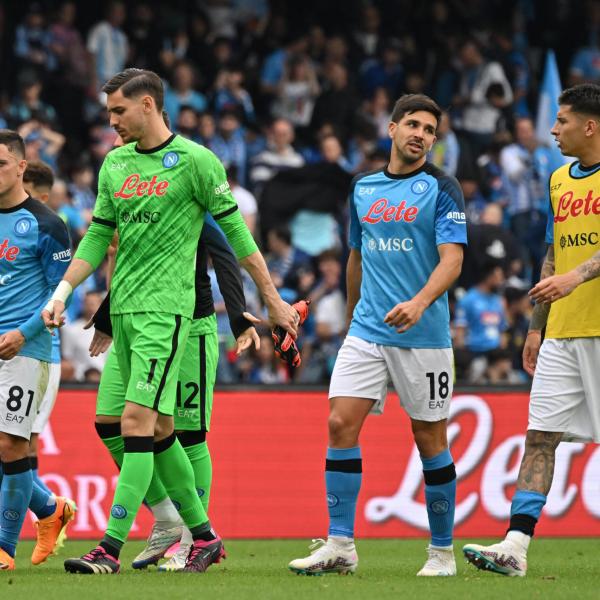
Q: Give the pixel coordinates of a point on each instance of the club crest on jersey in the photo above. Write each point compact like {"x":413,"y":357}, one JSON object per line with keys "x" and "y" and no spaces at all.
{"x":419,"y":187}
{"x":381,"y":210}
{"x":22,"y":226}
{"x":170,"y":159}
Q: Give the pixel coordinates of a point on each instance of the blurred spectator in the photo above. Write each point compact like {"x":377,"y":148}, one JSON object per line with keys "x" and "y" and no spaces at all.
{"x":229,"y":144}
{"x":279,"y":155}
{"x":518,"y":314}
{"x":75,"y":341}
{"x":445,"y":153}
{"x":80,"y":190}
{"x":338,"y":103}
{"x":377,"y":111}
{"x":60,"y":203}
{"x":296,"y":92}
{"x":245,"y":200}
{"x":480,"y":323}
{"x":367,"y":35}
{"x":266,"y":367}
{"x":499,"y":370}
{"x":527,"y":166}
{"x":72,"y":78}
{"x":386,"y":72}
{"x":32,"y":41}
{"x":28,"y":105}
{"x":207,"y":129}
{"x":41,"y":142}
{"x":108,"y":45}
{"x":284,"y":261}
{"x":182,"y":92}
{"x":329,"y":314}
{"x":585,"y":65}
{"x":490,"y":243}
{"x":144,"y":37}
{"x":483,"y":91}
{"x":332,"y":152}
{"x":273,"y":68}
{"x":38,"y":180}
{"x":475,"y":201}
{"x":187,"y":123}
{"x":230,"y":94}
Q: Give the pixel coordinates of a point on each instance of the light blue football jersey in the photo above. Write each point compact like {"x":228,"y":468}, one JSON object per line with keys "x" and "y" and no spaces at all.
{"x":397,"y":223}
{"x":35,"y":251}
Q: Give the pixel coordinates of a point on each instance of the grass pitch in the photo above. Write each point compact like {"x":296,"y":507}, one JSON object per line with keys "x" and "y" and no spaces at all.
{"x":558,"y":568}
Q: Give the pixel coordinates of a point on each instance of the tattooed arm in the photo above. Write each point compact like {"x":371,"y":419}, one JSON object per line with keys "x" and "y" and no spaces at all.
{"x":558,"y":286}
{"x":539,"y":318}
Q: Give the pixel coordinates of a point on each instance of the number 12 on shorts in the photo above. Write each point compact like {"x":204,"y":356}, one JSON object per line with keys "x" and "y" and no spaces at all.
{"x":439,"y":388}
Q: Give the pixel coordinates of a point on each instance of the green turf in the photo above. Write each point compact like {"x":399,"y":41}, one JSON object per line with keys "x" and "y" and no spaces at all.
{"x":559,"y":568}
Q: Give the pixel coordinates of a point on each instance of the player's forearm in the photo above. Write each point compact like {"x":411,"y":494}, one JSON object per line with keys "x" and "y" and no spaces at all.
{"x":79,"y":270}
{"x":257,"y":268}
{"x":442,"y":277}
{"x":539,"y":316}
{"x":237,"y":233}
{"x":353,"y":282}
{"x":92,"y":248}
{"x":590,"y":269}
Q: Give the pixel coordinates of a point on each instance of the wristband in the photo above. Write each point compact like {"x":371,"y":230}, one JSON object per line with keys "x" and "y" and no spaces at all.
{"x":62,"y":292}
{"x":534,"y":331}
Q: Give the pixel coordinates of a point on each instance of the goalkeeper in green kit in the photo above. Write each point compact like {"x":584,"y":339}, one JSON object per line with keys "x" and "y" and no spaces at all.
{"x":155,"y":193}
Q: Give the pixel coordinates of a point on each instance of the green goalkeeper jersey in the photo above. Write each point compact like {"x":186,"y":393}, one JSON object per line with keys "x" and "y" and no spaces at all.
{"x":157,"y":200}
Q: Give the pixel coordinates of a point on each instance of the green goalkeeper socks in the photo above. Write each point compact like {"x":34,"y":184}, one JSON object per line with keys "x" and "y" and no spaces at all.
{"x":176,"y":473}
{"x":110,"y":434}
{"x":134,"y":479}
{"x":199,"y":456}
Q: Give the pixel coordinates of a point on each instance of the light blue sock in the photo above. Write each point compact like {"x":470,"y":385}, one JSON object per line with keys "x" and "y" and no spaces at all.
{"x":440,"y":496}
{"x":15,"y":493}
{"x":42,"y":503}
{"x":343,"y":476}
{"x":529,"y":503}
{"x":36,"y":477}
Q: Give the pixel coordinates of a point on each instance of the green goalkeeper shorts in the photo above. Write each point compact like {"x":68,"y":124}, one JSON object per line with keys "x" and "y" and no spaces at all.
{"x":195,"y":385}
{"x":149,"y":349}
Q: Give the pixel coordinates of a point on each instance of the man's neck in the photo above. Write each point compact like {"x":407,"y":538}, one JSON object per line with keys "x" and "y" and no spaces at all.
{"x":589,"y":157}
{"x":400,"y":167}
{"x":154,"y":137}
{"x":13,"y":197}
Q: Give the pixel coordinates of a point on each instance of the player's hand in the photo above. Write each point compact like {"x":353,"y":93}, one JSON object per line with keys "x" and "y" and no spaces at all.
{"x":54,"y":319}
{"x":531,"y":351}
{"x":404,"y":315}
{"x":281,"y":313}
{"x":555,"y":287}
{"x":11,"y":343}
{"x":100,"y":342}
{"x":248,"y":336}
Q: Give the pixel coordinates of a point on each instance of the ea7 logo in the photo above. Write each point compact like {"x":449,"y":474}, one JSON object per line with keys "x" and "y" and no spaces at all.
{"x":221,"y":189}
{"x":145,"y":386}
{"x":118,"y":166}
{"x":63,"y":255}
{"x":365,"y":191}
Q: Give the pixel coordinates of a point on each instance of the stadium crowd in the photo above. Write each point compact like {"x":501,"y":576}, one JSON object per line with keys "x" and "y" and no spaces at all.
{"x":294,"y":98}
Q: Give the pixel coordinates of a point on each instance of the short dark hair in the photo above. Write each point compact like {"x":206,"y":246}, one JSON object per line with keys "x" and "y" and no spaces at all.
{"x":39,"y":174}
{"x":283,"y":233}
{"x":13,"y":141}
{"x":134,"y":82}
{"x":583,"y":98}
{"x":411,"y":103}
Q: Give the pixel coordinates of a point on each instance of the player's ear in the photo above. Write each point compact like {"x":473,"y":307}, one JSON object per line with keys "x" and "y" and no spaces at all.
{"x":591,"y":127}
{"x":392,"y":128}
{"x":21,"y":166}
{"x":148,"y":103}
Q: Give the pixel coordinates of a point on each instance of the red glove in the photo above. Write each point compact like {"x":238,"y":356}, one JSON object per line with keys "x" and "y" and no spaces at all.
{"x":285,"y":345}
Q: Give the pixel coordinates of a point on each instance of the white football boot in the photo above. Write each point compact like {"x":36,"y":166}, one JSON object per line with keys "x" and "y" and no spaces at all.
{"x":440,"y":563}
{"x":336,"y":555}
{"x":506,"y":558}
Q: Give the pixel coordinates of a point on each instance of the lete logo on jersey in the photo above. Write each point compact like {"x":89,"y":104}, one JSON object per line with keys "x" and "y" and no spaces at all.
{"x":380,"y":210}
{"x":8,"y":252}
{"x":134,"y":186}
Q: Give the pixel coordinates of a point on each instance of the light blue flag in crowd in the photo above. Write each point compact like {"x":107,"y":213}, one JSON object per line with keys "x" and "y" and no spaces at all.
{"x":547,"y":109}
